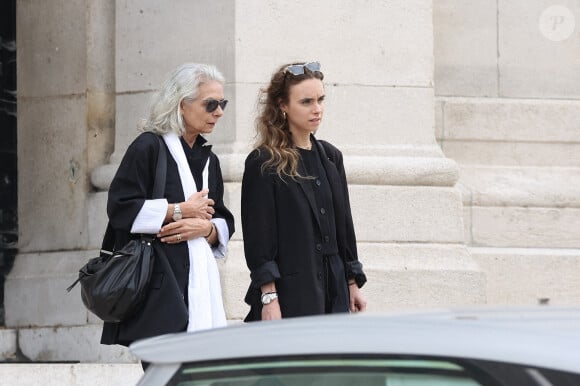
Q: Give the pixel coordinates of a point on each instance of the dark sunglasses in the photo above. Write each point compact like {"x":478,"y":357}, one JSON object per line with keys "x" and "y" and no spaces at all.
{"x":298,"y":69}
{"x":211,"y":105}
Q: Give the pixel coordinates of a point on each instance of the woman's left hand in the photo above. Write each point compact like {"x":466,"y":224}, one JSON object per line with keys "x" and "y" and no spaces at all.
{"x":182,"y":230}
{"x":358,"y":303}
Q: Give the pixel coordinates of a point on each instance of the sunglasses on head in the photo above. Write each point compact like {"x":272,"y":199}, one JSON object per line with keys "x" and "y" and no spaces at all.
{"x":298,"y":69}
{"x":211,"y":104}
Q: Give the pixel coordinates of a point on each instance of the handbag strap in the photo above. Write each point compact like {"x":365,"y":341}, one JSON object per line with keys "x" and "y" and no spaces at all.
{"x":158,"y":191}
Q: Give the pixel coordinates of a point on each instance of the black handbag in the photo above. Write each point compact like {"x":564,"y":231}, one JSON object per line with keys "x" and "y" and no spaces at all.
{"x":115,"y":283}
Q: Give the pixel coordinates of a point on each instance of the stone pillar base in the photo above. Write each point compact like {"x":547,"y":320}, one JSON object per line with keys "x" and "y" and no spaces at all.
{"x":415,"y":276}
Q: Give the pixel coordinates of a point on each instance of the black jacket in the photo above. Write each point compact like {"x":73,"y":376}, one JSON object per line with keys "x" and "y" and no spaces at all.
{"x":282,"y":237}
{"x":165,"y":309}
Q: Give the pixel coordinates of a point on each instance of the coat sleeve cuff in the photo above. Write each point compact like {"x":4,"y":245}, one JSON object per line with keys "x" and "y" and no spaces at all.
{"x":267,"y":273}
{"x":220,"y":250}
{"x":150,"y":217}
{"x":354,"y":270}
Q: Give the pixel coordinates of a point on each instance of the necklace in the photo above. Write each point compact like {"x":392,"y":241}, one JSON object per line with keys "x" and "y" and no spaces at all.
{"x":308,"y":147}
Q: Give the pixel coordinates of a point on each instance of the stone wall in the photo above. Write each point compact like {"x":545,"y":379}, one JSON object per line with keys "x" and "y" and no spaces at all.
{"x":411,"y":124}
{"x":508,"y":111}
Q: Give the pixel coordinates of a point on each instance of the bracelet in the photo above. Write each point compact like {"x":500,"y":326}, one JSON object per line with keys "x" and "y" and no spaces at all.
{"x":210,"y":231}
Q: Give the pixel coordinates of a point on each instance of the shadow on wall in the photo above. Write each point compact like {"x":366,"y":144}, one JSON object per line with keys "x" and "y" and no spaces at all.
{"x":8,"y":154}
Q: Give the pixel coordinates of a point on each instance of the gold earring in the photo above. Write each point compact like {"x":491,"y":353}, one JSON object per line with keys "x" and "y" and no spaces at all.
{"x":284,"y":114}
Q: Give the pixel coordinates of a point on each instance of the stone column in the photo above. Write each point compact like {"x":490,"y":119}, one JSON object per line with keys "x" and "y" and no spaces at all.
{"x":378,"y":65}
{"x":65,"y":128}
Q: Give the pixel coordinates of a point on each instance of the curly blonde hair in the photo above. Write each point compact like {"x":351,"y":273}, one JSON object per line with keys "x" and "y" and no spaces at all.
{"x":273,"y":133}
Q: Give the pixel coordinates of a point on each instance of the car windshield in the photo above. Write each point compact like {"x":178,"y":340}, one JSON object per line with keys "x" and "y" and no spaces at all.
{"x":335,"y":372}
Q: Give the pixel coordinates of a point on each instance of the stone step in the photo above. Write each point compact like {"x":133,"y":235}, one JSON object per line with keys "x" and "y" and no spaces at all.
{"x":73,"y":374}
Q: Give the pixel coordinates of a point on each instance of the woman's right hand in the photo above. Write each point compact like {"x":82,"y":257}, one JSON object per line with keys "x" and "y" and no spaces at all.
{"x":271,"y":311}
{"x":198,"y":205}
{"x":183,"y":230}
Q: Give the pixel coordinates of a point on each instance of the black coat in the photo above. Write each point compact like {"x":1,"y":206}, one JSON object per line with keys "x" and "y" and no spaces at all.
{"x":165,"y":310}
{"x":282,"y":236}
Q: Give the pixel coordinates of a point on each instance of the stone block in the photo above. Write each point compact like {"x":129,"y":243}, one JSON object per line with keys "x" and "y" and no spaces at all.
{"x":465,"y":48}
{"x":391,"y":116}
{"x":35,"y":289}
{"x":386,"y":214}
{"x":100,"y":49}
{"x":550,"y":227}
{"x":439,"y":121}
{"x":521,"y":187}
{"x":51,"y":37}
{"x":52,"y":192}
{"x":372,"y":44}
{"x":512,"y":154}
{"x":151,"y":41}
{"x":97,"y":219}
{"x":71,"y":344}
{"x":235,"y":278}
{"x":403,"y":171}
{"x":31,"y":374}
{"x":517,"y":276}
{"x":530,"y":63}
{"x":406,"y":276}
{"x":130,"y":110}
{"x":8,"y":345}
{"x":467,"y":225}
{"x":512,"y":120}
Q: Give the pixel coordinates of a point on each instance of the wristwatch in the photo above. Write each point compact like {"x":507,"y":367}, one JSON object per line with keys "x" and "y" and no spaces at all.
{"x":268,"y":297}
{"x":176,"y":213}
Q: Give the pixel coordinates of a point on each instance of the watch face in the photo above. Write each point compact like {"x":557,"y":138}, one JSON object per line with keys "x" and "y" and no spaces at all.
{"x":267,"y":298}
{"x":177,"y":213}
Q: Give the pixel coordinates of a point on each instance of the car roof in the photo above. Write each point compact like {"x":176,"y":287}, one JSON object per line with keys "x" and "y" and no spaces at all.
{"x":542,"y":336}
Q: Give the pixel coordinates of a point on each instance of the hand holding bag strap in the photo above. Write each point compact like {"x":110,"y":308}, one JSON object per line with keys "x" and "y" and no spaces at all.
{"x":158,"y":191}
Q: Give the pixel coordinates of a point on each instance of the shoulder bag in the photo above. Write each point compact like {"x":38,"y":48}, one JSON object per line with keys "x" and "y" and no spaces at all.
{"x":114,"y":284}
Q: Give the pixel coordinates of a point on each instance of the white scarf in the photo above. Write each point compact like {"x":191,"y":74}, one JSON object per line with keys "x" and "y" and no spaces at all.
{"x":206,"y":308}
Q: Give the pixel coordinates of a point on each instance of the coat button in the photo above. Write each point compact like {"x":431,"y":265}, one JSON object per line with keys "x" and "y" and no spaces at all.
{"x":326,"y":238}
{"x":322,"y":210}
{"x":318,"y":247}
{"x":319,"y":275}
{"x":318,"y":182}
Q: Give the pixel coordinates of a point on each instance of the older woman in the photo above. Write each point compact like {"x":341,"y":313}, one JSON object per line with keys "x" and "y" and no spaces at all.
{"x":192,"y":224}
{"x":299,"y":239}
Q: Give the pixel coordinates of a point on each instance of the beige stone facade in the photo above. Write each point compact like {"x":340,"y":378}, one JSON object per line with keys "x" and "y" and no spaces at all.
{"x":458,"y":121}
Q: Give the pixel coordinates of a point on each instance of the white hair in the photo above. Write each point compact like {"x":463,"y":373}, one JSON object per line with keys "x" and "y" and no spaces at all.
{"x":181,"y":84}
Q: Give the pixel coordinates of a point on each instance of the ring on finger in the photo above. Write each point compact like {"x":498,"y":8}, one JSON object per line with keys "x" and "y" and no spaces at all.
{"x":178,"y":237}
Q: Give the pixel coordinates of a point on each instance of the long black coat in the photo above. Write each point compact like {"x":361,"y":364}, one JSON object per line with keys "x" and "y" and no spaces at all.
{"x":282,"y":236}
{"x":165,"y":309}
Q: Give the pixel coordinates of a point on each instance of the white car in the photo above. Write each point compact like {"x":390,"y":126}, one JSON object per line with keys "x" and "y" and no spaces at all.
{"x":480,"y":346}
